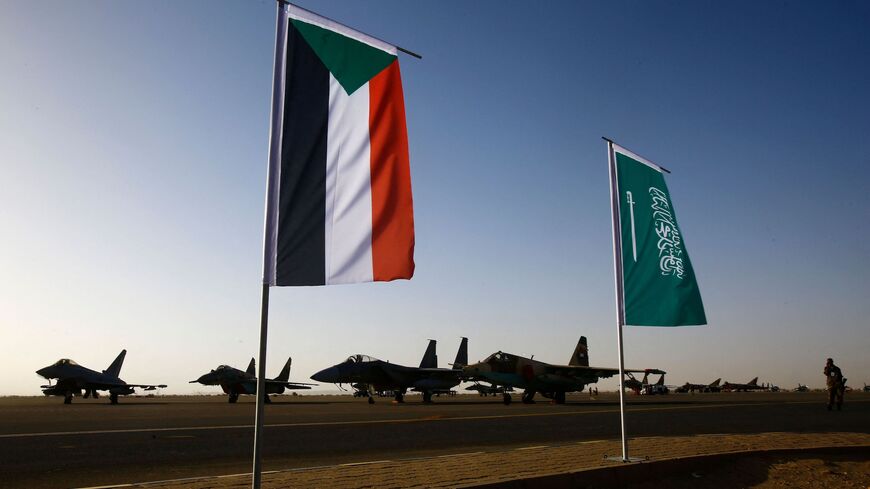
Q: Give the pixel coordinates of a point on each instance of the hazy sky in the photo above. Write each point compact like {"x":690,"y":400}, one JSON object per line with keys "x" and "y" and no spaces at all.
{"x":133,"y":144}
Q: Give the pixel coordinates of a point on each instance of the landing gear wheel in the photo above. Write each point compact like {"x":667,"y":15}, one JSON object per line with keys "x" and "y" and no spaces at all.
{"x":529,"y":397}
{"x":427,"y":397}
{"x":233,"y":398}
{"x":400,"y":397}
{"x":506,"y":399}
{"x":559,"y":398}
{"x":371,"y":400}
{"x":267,"y":399}
{"x":113,"y":398}
{"x":67,"y":398}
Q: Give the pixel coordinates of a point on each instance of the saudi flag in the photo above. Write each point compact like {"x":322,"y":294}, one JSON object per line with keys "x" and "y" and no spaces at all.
{"x":342,"y":209}
{"x":659,"y":286}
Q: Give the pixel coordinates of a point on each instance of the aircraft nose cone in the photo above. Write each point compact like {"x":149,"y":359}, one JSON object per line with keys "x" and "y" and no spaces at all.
{"x":329,"y":375}
{"x":205,"y":379}
{"x":44,"y":372}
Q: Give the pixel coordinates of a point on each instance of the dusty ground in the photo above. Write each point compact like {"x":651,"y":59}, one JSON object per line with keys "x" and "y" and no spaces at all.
{"x":582,"y":465}
{"x":763,"y":471}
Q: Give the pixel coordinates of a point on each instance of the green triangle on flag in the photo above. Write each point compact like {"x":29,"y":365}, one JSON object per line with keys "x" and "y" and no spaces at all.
{"x":351,"y":62}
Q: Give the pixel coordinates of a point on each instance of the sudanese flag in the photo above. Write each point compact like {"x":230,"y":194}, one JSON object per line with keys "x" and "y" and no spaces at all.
{"x":342,"y":212}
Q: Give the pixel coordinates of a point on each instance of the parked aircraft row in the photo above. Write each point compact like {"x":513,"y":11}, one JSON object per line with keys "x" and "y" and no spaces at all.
{"x":499,"y":373}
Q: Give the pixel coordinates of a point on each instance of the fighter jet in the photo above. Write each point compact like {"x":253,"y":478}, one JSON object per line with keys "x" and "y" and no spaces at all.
{"x":368,"y":375}
{"x":552,"y":381}
{"x":73,"y":380}
{"x":802,"y":388}
{"x":638,"y":386}
{"x":752,"y":385}
{"x":690,"y":387}
{"x":235,"y":382}
{"x":657,"y":388}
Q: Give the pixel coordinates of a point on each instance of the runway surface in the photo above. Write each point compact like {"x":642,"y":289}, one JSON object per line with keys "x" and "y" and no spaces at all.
{"x":44,"y":443}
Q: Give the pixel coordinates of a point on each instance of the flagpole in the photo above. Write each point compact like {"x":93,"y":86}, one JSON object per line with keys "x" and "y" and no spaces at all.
{"x":261,"y":389}
{"x":268,"y":239}
{"x":620,"y":304}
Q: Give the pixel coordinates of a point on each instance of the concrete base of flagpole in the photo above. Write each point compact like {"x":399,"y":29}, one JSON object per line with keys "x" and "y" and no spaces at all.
{"x":628,"y":460}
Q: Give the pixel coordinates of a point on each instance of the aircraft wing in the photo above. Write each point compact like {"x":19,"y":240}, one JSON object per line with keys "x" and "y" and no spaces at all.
{"x":102,"y":386}
{"x":444,"y":373}
{"x":600,"y":372}
{"x":290,"y":385}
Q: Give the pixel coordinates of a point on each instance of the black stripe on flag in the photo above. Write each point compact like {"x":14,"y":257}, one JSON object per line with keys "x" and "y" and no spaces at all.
{"x":301,"y":235}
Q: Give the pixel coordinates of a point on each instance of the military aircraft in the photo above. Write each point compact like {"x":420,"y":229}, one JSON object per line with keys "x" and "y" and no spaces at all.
{"x":638,"y":386}
{"x":552,"y":381}
{"x":368,"y":375}
{"x":801,"y":388}
{"x":866,"y":387}
{"x":690,"y":387}
{"x":752,"y":385}
{"x":235,"y":382}
{"x":73,"y":379}
{"x":657,"y":388}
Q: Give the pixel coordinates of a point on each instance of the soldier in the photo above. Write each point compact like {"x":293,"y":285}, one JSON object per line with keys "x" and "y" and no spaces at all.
{"x":834,"y":380}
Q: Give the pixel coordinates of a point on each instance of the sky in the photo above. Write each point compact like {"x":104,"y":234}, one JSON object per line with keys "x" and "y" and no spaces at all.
{"x":133,"y":147}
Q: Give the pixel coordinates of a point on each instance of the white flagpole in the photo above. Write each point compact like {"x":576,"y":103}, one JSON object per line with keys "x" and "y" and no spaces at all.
{"x":620,"y":302}
{"x":271,"y":194}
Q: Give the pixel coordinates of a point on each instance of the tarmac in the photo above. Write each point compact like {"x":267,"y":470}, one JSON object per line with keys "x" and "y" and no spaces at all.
{"x":46,"y":444}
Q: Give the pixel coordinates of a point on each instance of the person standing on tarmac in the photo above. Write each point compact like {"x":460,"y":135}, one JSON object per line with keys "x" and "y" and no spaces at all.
{"x":834,"y":381}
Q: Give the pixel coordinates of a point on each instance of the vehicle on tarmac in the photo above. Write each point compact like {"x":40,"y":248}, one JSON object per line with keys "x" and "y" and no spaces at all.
{"x":235,"y":382}
{"x":488,"y":390}
{"x":533,"y":376}
{"x":76,"y":380}
{"x":368,"y":375}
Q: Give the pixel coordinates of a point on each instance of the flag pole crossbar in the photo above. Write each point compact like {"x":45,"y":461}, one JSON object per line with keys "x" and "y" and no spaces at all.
{"x":400,"y":48}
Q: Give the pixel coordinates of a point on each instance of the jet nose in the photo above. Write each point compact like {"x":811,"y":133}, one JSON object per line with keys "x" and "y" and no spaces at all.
{"x":44,"y":372}
{"x":205,"y":379}
{"x":329,"y":375}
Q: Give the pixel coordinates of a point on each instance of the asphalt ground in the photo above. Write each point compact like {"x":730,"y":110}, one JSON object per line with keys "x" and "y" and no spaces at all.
{"x":44,"y":443}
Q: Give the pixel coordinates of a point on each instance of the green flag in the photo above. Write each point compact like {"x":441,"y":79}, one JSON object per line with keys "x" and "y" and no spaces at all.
{"x":659,"y":286}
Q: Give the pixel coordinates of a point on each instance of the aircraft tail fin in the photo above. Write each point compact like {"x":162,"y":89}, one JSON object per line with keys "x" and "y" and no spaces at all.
{"x":580,"y":358}
{"x":715,"y":383}
{"x":252,"y":368}
{"x":754,"y":381}
{"x":115,"y":368}
{"x":462,"y":354}
{"x":284,"y":376}
{"x":430,"y":359}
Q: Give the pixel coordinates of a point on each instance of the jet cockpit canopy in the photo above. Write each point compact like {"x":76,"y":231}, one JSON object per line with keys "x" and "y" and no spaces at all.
{"x":498,"y":356}
{"x":360,"y":359}
{"x":65,"y":361}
